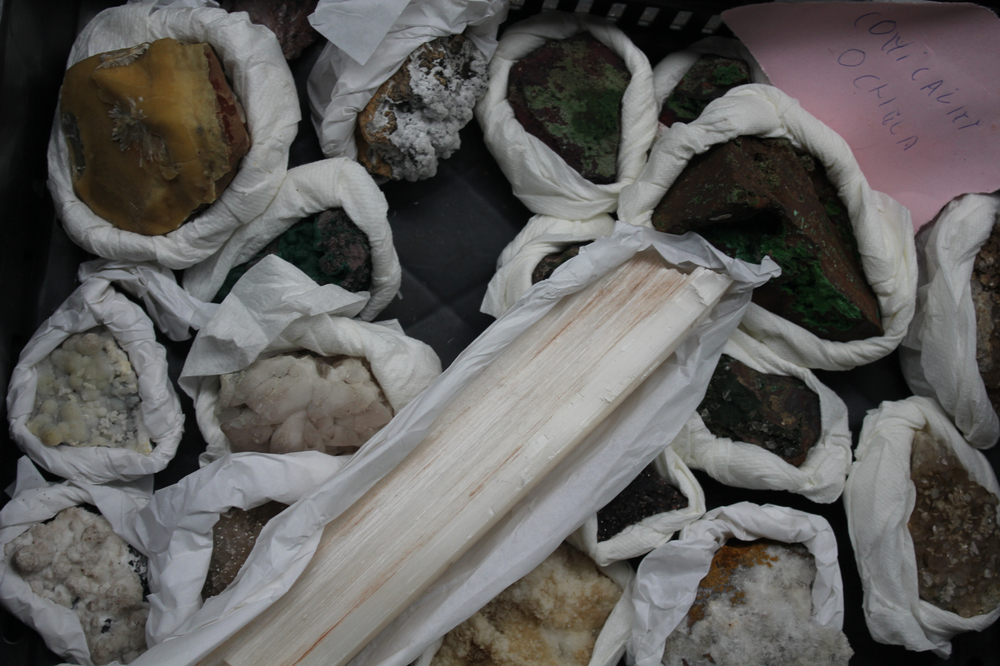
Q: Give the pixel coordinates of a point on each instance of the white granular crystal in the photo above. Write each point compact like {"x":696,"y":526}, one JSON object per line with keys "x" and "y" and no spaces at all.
{"x":301,"y":403}
{"x":77,"y":561}
{"x":769,"y":625}
{"x":88,"y":395}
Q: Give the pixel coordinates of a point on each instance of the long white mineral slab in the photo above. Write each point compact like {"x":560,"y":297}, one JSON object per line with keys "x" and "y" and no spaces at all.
{"x":507,"y":429}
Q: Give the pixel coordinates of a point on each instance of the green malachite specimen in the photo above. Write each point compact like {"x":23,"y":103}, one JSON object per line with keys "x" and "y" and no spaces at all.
{"x":753,"y":197}
{"x":328,"y":247}
{"x":550,"y":262}
{"x":568,"y":93}
{"x":709,"y":78}
{"x":647,"y":495}
{"x":778,"y":413}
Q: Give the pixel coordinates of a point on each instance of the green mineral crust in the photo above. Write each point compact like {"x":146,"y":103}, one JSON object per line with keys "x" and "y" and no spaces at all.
{"x":328,"y":247}
{"x":568,"y":93}
{"x":753,"y":197}
{"x":709,"y":78}
{"x":776,"y":412}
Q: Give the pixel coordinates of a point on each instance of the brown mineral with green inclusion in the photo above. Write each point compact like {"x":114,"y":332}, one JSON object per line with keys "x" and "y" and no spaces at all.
{"x":986,"y":301}
{"x":753,"y":197}
{"x":328,"y":247}
{"x":647,"y":495}
{"x":568,"y":93}
{"x":550,"y":262}
{"x":709,"y":78}
{"x":954,"y":529}
{"x":776,"y":412}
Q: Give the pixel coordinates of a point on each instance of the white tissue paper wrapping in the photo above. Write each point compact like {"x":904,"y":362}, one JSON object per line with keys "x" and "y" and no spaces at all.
{"x":262,"y":82}
{"x":667,"y":580}
{"x":610,"y":644}
{"x":35,"y":500}
{"x":938,"y":354}
{"x":539,"y":177}
{"x":340,"y":86}
{"x":879,"y":499}
{"x":597,"y":471}
{"x":821,"y":477}
{"x":650,"y":532}
{"x":668,"y":72}
{"x":542,"y":236}
{"x":277,"y":308}
{"x":175,"y":529}
{"x":882,"y":226}
{"x":96,"y":303}
{"x":308,"y":190}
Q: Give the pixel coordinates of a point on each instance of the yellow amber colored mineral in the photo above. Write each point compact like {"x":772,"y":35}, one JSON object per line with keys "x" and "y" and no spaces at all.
{"x":154,"y":133}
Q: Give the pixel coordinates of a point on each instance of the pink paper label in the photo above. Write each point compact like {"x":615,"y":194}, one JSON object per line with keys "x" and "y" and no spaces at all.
{"x":914,"y":89}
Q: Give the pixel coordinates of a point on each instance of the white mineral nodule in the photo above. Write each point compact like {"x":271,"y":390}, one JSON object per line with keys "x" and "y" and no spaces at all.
{"x":87,"y":394}
{"x":77,"y":561}
{"x":300,"y":402}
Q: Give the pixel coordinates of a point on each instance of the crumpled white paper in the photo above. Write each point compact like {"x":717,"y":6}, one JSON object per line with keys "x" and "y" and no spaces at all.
{"x":340,"y":87}
{"x":263,"y":83}
{"x":35,"y":500}
{"x":879,"y":499}
{"x":668,"y":72}
{"x":821,"y":477}
{"x":175,"y":529}
{"x":938,"y":354}
{"x":96,"y":303}
{"x":586,"y":480}
{"x":308,"y":190}
{"x":667,"y":580}
{"x":617,"y":628}
{"x":650,"y":532}
{"x":882,"y":226}
{"x":277,"y":308}
{"x":542,"y":236}
{"x":539,"y":177}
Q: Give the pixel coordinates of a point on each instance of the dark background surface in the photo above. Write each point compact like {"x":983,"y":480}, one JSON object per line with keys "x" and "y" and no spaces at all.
{"x":448,"y":231}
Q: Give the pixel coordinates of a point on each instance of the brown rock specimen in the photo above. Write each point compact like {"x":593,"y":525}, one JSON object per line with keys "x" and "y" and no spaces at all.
{"x":955,"y":534}
{"x":154,"y":133}
{"x":414,"y":118}
{"x":752,"y":197}
{"x":986,"y":300}
{"x":776,"y":412}
{"x":287,"y":19}
{"x":551,"y":262}
{"x":647,"y":495}
{"x":709,"y":78}
{"x":568,"y":93}
{"x":328,"y":247}
{"x":551,"y":617}
{"x":233,"y":537}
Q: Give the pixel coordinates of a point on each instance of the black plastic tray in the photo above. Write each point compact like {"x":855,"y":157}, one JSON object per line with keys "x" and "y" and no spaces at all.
{"x":448,"y":231}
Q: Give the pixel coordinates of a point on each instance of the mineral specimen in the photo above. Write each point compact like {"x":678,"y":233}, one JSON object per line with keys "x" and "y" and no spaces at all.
{"x":551,"y":617}
{"x":77,"y":561}
{"x":776,"y":412}
{"x":154,"y":133}
{"x":87,"y":394}
{"x":986,"y":300}
{"x":755,"y":607}
{"x":300,"y":402}
{"x":328,"y":247}
{"x":287,"y":19}
{"x":414,"y":118}
{"x":752,"y":197}
{"x":568,"y":93}
{"x":233,"y":537}
{"x":647,"y":495}
{"x":709,"y":78}
{"x":549,"y":263}
{"x":954,"y":529}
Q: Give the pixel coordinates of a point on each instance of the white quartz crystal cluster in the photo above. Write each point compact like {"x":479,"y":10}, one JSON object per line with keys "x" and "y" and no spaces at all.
{"x":300,"y":402}
{"x":77,"y":561}
{"x":88,"y":395}
{"x":768,"y":620}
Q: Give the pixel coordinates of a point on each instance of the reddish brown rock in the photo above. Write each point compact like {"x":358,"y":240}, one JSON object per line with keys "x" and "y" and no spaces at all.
{"x":551,"y":262}
{"x":986,"y":300}
{"x":287,"y":19}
